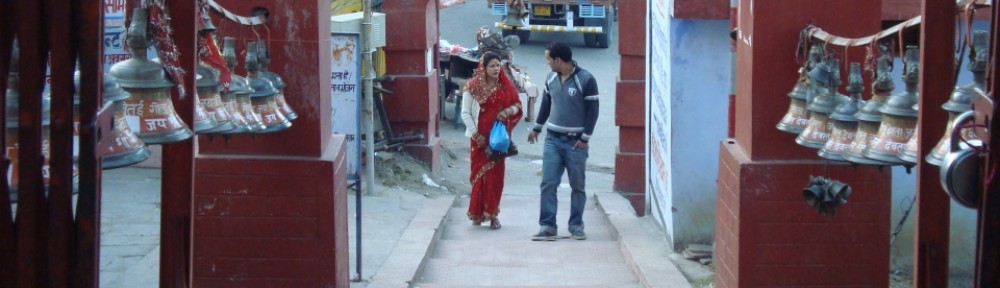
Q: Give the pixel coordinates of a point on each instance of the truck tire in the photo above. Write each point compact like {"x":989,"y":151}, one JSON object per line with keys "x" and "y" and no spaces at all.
{"x":599,"y":40}
{"x":523,"y":35}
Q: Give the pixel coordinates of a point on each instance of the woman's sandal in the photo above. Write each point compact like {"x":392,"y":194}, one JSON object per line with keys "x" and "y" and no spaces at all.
{"x":494,"y":224}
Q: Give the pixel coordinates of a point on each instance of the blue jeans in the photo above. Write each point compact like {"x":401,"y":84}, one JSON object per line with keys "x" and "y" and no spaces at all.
{"x":558,"y":156}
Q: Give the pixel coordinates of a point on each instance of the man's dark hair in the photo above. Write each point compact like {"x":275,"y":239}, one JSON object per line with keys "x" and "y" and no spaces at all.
{"x":559,"y":49}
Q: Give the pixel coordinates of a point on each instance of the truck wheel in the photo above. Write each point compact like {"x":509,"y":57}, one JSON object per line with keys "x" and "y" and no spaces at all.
{"x":523,"y":35}
{"x":602,"y":40}
{"x":590,"y":39}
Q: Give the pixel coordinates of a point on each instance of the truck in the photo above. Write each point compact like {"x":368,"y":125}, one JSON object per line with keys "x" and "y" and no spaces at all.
{"x":592,"y":18}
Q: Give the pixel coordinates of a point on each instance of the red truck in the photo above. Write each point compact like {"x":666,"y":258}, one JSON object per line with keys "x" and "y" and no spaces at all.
{"x":592,"y":18}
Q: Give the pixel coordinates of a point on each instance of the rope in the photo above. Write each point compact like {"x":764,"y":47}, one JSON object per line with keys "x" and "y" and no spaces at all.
{"x":253,"y":20}
{"x":824,"y":36}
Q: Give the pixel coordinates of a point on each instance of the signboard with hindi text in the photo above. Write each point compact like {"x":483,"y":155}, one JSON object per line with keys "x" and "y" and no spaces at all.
{"x":345,"y":90}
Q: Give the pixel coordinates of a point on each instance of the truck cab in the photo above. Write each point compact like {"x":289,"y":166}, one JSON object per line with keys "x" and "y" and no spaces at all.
{"x":594,"y":19}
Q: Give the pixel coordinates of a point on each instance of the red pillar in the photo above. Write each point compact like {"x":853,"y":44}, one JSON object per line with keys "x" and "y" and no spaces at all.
{"x":630,"y":96}
{"x":766,"y":234}
{"x":269,"y":212}
{"x":411,"y":41}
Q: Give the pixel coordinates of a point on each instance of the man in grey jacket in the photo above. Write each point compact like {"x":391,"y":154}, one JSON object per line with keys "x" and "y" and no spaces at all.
{"x":568,"y":113}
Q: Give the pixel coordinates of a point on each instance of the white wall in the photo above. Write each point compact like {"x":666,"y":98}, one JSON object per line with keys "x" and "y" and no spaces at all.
{"x":688,"y":110}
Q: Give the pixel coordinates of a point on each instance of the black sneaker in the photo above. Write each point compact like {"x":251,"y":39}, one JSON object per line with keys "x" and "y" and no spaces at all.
{"x":544,"y":235}
{"x":579,"y":235}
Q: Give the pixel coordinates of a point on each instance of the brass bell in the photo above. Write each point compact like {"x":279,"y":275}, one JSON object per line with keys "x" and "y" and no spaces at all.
{"x":263,"y":97}
{"x":12,"y":125}
{"x":203,"y":122}
{"x":516,"y":13}
{"x":899,"y":119}
{"x":264,"y":56}
{"x":909,"y":153}
{"x":797,"y":117}
{"x":961,"y":99}
{"x":826,"y":76}
{"x":208,"y":96}
{"x":126,"y":149}
{"x":149,"y":110}
{"x":869,"y":117}
{"x":241,"y":88}
{"x":845,"y":123}
{"x":237,"y":85}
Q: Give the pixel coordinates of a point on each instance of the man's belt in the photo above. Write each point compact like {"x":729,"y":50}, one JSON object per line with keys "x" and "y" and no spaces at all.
{"x":565,"y":136}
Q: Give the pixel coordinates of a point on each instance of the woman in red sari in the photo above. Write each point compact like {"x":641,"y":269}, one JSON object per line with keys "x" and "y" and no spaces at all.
{"x":489,"y":96}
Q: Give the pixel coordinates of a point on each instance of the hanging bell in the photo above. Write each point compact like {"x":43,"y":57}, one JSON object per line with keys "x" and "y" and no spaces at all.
{"x":961,"y":99}
{"x":909,"y":153}
{"x":203,"y":121}
{"x":516,"y":13}
{"x":264,"y":56}
{"x":899,"y":119}
{"x":126,"y":149}
{"x":12,"y":125}
{"x":869,"y":117}
{"x":149,"y":111}
{"x":237,"y":85}
{"x":826,"y":76}
{"x":845,"y":123}
{"x":254,"y":123}
{"x":206,"y":22}
{"x":797,"y":117}
{"x":208,"y":97}
{"x":263,"y":97}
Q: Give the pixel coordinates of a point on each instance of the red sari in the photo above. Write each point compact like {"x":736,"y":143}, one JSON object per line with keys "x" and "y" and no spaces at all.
{"x":488,"y":175}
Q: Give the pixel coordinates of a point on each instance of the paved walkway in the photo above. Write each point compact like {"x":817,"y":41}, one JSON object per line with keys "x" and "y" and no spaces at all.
{"x":458,"y":254}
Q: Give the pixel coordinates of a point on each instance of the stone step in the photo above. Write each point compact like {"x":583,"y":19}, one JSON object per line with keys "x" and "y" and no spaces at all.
{"x":446,"y":272}
{"x":432,"y":285}
{"x":515,"y":253}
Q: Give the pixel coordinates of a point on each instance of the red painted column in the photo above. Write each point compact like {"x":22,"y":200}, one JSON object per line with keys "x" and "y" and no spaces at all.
{"x":766,"y":234}
{"x":270,"y":210}
{"x":411,"y":35}
{"x":630,"y":96}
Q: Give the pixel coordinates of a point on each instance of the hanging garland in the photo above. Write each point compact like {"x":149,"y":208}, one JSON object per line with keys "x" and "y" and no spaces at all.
{"x":166,"y":49}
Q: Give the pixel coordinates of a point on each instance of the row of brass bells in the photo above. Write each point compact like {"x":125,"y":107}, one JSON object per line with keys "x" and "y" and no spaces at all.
{"x":961,"y":99}
{"x":797,"y":117}
{"x":899,"y":118}
{"x":236,"y":98}
{"x":126,"y":148}
{"x":263,"y":97}
{"x":826,"y":76}
{"x":149,"y":111}
{"x":869,"y":117}
{"x":264,"y":56}
{"x":845,"y":121}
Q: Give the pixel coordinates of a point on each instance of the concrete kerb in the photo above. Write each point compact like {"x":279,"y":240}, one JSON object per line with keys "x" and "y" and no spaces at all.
{"x":654,"y":269}
{"x":409,"y":256}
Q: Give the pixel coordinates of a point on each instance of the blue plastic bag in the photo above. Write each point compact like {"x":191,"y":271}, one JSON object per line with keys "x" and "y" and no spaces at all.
{"x":499,"y":140}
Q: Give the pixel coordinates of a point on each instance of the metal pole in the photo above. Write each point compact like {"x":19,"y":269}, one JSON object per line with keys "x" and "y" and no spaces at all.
{"x":367,"y":119}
